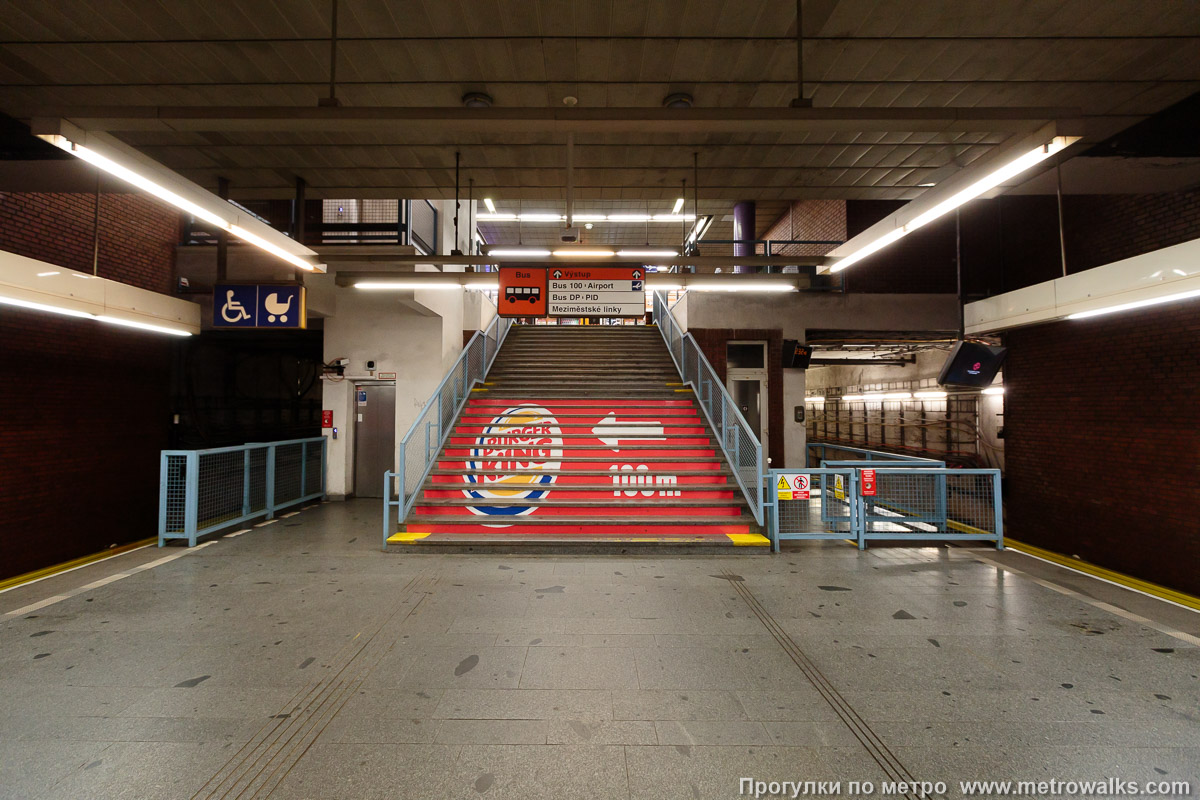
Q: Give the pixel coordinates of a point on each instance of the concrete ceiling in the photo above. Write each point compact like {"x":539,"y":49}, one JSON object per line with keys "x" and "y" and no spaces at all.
{"x":1110,"y":62}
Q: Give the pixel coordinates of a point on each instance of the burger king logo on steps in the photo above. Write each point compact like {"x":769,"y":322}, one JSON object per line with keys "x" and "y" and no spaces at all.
{"x":512,"y":450}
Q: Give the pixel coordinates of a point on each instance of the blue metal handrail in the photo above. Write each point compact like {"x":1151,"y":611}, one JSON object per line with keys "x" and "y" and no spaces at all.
{"x":420,"y":446}
{"x":739,"y":443}
{"x":201,"y":491}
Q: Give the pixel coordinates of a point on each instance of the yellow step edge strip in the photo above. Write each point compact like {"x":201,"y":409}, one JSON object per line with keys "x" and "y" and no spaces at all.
{"x":673,"y":384}
{"x":683,"y":390}
{"x":407,"y":537}
{"x":46,"y":572}
{"x":748,"y":539}
{"x":1119,"y":578}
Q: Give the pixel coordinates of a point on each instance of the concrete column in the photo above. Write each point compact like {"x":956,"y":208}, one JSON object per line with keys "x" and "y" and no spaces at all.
{"x":743,"y":228}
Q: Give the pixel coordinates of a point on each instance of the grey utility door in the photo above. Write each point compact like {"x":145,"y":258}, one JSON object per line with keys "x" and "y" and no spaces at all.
{"x":374,"y":437}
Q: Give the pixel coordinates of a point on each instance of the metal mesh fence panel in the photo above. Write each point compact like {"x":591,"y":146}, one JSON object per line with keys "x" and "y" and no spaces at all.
{"x":287,"y":473}
{"x":313,"y":468}
{"x":258,"y":479}
{"x":827,"y":513}
{"x":220,"y":485}
{"x":174,"y":493}
{"x":938,"y":503}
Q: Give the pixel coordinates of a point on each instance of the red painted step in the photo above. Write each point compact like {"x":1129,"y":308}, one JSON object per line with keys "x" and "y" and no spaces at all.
{"x":547,"y":454}
{"x":639,"y":510}
{"x":632,"y":529}
{"x":624,"y":476}
{"x":616,"y":490}
{"x":608,"y":462}
{"x":582,"y":402}
{"x":471,"y":428}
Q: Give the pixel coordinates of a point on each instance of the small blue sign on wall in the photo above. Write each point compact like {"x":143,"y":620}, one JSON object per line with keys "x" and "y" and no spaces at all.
{"x":259,"y":306}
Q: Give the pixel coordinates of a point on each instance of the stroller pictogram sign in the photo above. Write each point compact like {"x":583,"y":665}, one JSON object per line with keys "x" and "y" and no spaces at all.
{"x":259,"y":306}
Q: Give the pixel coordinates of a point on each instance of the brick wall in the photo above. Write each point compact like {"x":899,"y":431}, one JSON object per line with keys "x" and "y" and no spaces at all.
{"x":1101,"y":229}
{"x":1103,"y":441}
{"x":816,"y":220}
{"x":137,"y":235}
{"x":85,"y":405}
{"x":713,"y":343}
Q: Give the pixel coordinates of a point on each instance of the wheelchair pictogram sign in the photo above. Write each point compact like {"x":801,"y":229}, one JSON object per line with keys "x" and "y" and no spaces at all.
{"x":259,"y":306}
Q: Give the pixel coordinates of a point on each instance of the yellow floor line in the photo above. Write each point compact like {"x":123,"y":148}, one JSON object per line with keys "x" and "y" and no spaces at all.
{"x":66,"y":566}
{"x":1119,"y":578}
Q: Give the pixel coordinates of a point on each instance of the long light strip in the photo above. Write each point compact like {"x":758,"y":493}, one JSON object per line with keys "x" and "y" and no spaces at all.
{"x":70,"y":312}
{"x":1153,"y":301}
{"x":166,"y":195}
{"x":979,"y":187}
{"x":649,"y":253}
{"x":749,"y":286}
{"x":678,"y":205}
{"x":501,"y":216}
{"x":487,"y":201}
{"x":584,"y":253}
{"x":521,"y":253}
{"x":144,"y":326}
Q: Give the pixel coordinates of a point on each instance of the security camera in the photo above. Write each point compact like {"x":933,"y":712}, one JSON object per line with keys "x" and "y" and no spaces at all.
{"x":569,"y":236}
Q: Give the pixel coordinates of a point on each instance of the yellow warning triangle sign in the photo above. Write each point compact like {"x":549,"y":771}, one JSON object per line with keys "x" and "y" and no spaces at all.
{"x":783,"y":484}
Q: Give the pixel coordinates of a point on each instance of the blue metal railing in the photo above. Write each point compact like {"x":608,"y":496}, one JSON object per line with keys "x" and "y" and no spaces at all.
{"x":420,"y":446}
{"x":739,"y":443}
{"x":915,"y":502}
{"x":201,"y":491}
{"x":821,"y":452}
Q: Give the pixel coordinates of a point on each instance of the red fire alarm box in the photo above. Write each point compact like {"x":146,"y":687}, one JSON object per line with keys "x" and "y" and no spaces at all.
{"x":327,"y":419}
{"x":868,"y":482}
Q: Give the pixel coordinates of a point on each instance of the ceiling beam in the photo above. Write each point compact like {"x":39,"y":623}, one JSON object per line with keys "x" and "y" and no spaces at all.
{"x":541,"y":120}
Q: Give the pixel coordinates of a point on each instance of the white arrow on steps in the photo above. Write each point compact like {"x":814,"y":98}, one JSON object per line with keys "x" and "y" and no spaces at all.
{"x":612,"y":432}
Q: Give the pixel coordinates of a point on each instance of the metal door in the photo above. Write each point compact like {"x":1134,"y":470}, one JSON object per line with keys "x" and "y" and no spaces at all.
{"x":374,"y":437}
{"x":746,"y":380}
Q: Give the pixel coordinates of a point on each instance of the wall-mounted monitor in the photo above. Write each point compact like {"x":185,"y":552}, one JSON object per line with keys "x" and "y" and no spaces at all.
{"x":972,"y":364}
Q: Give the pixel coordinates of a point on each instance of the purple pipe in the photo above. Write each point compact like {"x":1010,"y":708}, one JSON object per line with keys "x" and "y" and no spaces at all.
{"x":743,"y":228}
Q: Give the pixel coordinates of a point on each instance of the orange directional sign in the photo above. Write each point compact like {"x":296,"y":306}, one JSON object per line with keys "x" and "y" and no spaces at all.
{"x":522,"y":292}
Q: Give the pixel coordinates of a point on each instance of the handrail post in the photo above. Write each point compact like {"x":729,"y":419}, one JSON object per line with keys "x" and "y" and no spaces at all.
{"x":998,"y":510}
{"x":191,"y":510}
{"x":246,"y":482}
{"x":163,"y":473}
{"x":387,"y":509}
{"x":270,"y":482}
{"x":303,"y":470}
{"x":324,"y":463}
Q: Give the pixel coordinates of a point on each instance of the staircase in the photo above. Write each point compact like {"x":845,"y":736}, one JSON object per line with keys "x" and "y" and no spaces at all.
{"x":582,"y":435}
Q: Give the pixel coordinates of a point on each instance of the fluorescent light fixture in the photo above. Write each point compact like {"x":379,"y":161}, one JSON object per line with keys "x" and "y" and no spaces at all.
{"x":926,"y":185}
{"x":930,"y":395}
{"x":678,"y":205}
{"x":897,"y":396}
{"x":541,"y":217}
{"x":994,"y":390}
{"x":649,"y":253}
{"x":262,"y":243}
{"x":588,"y":217}
{"x":664,"y":287}
{"x":814,"y":398}
{"x":140,"y":181}
{"x":531,"y":252}
{"x":748,"y":286}
{"x":700,"y":228}
{"x":173,"y":198}
{"x":673,"y":217}
{"x":68,"y":312}
{"x":487,"y":201}
{"x":584,"y":253}
{"x":854,"y":398}
{"x":979,"y":187}
{"x":47,"y":274}
{"x":482,"y":287}
{"x":495,"y":216}
{"x":144,"y":326}
{"x":629,"y":218}
{"x":402,"y":285}
{"x":1153,"y":301}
